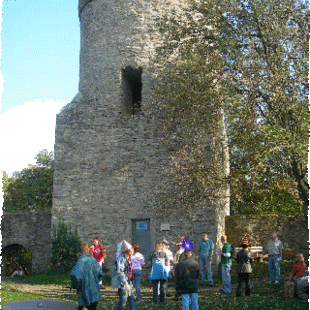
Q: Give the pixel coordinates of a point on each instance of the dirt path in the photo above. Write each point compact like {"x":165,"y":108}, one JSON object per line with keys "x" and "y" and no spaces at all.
{"x":63,"y":291}
{"x":52,"y":290}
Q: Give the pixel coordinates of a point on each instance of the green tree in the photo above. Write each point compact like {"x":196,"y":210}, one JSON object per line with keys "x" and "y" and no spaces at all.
{"x":32,"y":188}
{"x":266,"y":74}
{"x":248,"y":57}
{"x":188,"y":95}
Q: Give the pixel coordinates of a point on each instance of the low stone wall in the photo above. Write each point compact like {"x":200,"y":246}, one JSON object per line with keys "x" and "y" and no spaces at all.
{"x":32,"y":230}
{"x":292,"y":231}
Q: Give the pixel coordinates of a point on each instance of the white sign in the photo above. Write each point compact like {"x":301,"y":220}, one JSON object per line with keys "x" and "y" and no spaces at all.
{"x":165,"y":226}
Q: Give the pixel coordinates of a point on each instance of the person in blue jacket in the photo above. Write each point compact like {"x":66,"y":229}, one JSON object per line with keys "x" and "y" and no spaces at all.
{"x":85,"y":277}
{"x":206,"y":251}
{"x":158,"y":276}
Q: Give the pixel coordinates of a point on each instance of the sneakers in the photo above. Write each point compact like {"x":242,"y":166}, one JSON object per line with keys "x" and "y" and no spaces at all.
{"x":276,"y":282}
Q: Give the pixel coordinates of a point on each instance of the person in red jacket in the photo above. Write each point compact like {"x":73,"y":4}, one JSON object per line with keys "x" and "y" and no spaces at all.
{"x":298,"y":270}
{"x":98,"y":251}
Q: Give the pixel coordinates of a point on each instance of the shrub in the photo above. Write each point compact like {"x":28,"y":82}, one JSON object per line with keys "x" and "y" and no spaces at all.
{"x":64,"y":247}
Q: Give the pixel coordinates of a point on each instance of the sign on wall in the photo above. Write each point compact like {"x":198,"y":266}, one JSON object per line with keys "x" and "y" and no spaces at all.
{"x":141,"y":225}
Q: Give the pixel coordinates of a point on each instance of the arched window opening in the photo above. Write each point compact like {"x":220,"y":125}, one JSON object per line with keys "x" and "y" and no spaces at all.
{"x":132,"y":89}
{"x":15,"y":257}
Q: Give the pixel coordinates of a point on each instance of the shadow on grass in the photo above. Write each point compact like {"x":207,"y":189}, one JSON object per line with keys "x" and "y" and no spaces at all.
{"x":263,"y":296}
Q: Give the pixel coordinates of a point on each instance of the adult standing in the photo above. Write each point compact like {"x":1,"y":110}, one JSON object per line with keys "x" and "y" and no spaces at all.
{"x":187,"y":273}
{"x":274,"y":249}
{"x":158,"y":276}
{"x":98,"y":251}
{"x":244,"y":260}
{"x":137,"y":260}
{"x":85,"y":277}
{"x":166,"y":249}
{"x":206,"y":251}
{"x":122,"y":276}
{"x":178,"y":256}
{"x":178,"y":250}
{"x":226,"y":261}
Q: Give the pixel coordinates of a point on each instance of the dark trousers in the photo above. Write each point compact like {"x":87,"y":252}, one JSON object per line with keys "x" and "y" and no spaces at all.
{"x":92,"y":306}
{"x":243,"y":277}
{"x":162,"y":291}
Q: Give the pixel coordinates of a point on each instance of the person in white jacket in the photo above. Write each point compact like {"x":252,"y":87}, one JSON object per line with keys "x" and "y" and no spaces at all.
{"x":166,"y":249}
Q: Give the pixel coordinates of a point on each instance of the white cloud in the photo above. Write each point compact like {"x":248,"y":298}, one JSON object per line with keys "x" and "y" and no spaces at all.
{"x":26,"y":130}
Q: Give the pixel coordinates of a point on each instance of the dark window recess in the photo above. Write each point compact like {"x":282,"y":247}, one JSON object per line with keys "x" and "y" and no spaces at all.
{"x":132,"y":89}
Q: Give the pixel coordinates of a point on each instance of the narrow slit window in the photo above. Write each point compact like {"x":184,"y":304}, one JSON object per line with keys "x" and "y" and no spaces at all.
{"x":132,"y":89}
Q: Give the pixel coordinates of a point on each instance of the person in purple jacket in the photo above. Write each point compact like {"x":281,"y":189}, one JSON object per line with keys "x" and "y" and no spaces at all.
{"x":137,"y":260}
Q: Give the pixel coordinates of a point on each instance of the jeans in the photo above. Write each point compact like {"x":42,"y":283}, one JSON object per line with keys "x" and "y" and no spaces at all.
{"x":123,"y":299}
{"x":162,"y":290}
{"x":207,"y":271}
{"x":302,"y":288}
{"x":243,"y":277}
{"x":100,"y":263}
{"x":274,"y":266}
{"x":226,"y":278}
{"x":190,"y":298}
{"x":167,"y":282}
{"x":137,"y":277}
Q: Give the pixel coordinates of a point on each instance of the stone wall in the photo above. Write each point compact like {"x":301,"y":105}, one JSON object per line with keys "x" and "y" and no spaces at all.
{"x":32,"y":231}
{"x":292,"y":231}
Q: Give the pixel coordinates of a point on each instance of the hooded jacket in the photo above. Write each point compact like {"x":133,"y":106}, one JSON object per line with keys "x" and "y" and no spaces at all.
{"x":85,"y":277}
{"x":121,"y":272}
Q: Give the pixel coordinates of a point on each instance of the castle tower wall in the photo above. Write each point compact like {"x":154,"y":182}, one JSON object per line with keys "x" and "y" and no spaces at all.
{"x":111,"y":169}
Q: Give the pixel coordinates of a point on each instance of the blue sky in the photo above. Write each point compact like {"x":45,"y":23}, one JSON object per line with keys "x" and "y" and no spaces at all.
{"x":40,"y":42}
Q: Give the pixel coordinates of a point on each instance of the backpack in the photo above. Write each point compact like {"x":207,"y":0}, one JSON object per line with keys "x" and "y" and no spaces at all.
{"x":233,"y":252}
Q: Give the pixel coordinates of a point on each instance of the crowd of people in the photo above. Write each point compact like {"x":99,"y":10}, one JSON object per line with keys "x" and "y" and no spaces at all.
{"x":86,"y":276}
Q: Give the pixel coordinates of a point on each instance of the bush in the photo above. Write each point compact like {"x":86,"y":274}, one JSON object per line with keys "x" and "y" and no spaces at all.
{"x":64,"y":248}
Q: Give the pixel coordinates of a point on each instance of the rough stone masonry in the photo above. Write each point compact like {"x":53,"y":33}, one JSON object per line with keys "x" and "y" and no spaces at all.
{"x":111,"y":169}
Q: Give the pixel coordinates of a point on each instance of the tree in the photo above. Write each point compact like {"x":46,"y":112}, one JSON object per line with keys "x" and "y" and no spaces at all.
{"x":32,"y":188}
{"x":248,"y":57}
{"x":189,"y":102}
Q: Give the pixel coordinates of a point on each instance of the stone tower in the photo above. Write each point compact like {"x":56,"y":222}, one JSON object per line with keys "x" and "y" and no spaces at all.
{"x":110,"y":166}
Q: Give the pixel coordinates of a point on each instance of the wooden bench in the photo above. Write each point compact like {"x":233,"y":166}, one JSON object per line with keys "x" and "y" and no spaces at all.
{"x":257,"y":252}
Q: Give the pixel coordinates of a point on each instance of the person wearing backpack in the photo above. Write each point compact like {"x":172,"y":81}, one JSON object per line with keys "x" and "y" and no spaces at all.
{"x":226,"y":265}
{"x":244,"y":260}
{"x":122,"y":276}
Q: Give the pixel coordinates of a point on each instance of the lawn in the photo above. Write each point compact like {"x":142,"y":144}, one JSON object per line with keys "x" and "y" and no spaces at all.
{"x":10,"y":294}
{"x":263,"y":295}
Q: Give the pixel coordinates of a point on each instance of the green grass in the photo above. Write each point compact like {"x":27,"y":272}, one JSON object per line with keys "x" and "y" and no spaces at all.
{"x":10,"y":294}
{"x":263,"y":296}
{"x":46,"y":278}
{"x":52,"y":277}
